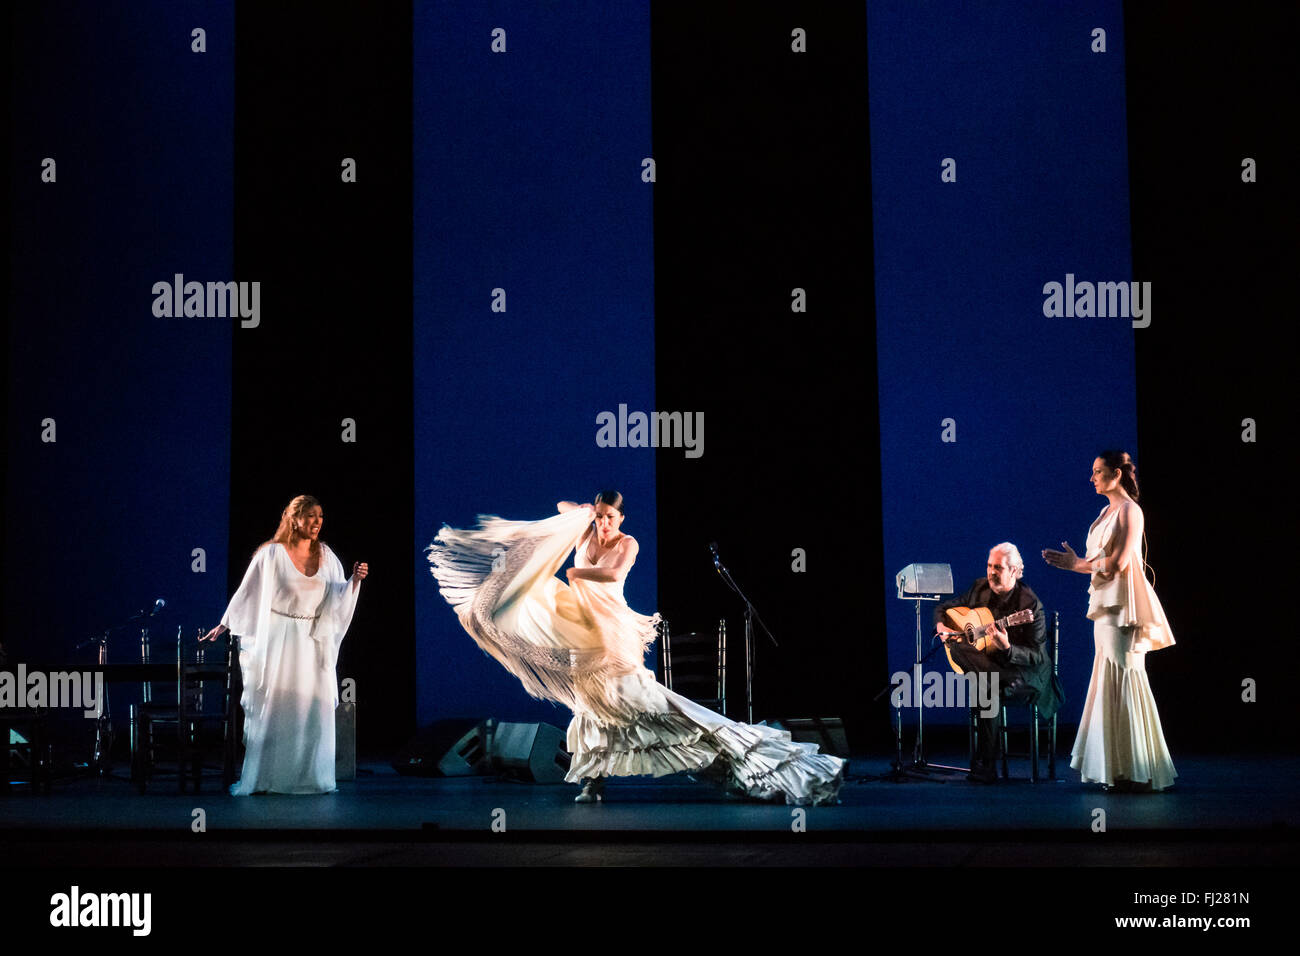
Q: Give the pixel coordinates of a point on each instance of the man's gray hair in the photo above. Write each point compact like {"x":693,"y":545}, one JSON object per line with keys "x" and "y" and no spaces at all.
{"x":1013,"y":553}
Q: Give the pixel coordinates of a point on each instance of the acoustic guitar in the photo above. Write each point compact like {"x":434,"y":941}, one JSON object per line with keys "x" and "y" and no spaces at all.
{"x":973,"y":626}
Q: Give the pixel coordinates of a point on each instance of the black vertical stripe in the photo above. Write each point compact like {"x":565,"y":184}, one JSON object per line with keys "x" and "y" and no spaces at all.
{"x":315,"y":85}
{"x":1207,"y":88}
{"x":763,"y":186}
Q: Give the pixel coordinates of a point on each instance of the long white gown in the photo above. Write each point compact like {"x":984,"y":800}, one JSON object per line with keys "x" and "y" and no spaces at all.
{"x":1120,"y":737}
{"x":290,"y":627}
{"x":580,"y":645}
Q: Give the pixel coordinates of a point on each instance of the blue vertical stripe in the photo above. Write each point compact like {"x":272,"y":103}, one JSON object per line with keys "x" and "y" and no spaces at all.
{"x":527,"y":178}
{"x":1035,"y":122}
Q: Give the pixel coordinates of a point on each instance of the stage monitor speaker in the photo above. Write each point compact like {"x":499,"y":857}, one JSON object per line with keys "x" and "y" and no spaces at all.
{"x":530,"y":751}
{"x":446,"y":748}
{"x":345,"y":741}
{"x":826,"y":732}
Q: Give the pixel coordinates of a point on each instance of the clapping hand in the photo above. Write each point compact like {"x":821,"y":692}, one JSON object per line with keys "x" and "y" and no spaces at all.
{"x":1066,"y":560}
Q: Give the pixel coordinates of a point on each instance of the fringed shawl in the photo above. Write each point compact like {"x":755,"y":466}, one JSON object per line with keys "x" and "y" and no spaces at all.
{"x":565,"y":642}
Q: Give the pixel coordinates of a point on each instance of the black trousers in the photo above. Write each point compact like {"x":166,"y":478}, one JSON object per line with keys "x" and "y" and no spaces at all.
{"x":988,"y":730}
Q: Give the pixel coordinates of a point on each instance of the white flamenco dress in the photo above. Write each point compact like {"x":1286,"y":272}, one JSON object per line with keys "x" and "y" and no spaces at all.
{"x":580,"y":645}
{"x":1120,"y":737}
{"x":290,"y":627}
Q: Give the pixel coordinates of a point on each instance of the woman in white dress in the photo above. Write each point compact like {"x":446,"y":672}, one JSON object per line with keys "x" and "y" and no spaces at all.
{"x":1120,"y":743}
{"x":291,"y":612}
{"x":582,"y":646}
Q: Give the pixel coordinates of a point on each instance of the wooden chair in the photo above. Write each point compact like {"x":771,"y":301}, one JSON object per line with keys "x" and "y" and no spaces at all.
{"x":695,"y":665}
{"x":206,"y":704}
{"x":1033,"y":751}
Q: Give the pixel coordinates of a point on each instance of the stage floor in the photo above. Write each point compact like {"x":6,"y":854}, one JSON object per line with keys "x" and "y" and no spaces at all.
{"x":1239,"y":811}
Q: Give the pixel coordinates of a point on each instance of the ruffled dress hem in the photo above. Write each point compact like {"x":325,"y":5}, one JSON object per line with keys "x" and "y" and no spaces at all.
{"x":1120,"y":737}
{"x":759,"y":762}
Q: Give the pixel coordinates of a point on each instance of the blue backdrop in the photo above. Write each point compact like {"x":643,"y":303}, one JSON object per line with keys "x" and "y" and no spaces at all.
{"x":527,"y":178}
{"x":104,"y":519}
{"x":1036,"y":124}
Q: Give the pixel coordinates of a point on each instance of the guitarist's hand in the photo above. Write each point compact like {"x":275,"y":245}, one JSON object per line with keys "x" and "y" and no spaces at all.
{"x":944,"y":632}
{"x":1000,"y":639}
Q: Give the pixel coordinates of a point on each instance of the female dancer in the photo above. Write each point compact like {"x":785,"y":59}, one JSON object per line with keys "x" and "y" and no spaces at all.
{"x":1120,"y":743}
{"x":581,"y":645}
{"x":291,"y":613}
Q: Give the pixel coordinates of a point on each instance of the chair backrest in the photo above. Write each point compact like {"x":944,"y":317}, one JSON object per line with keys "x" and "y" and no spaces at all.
{"x":695,"y":664}
{"x":148,"y":688}
{"x":203,"y":678}
{"x":1053,"y":648}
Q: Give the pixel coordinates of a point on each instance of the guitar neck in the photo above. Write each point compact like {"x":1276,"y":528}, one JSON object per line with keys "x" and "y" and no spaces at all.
{"x":1000,"y":622}
{"x":966,"y":627}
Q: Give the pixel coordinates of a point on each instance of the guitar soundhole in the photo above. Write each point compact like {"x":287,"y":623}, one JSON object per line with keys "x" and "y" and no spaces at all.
{"x":970,"y":634}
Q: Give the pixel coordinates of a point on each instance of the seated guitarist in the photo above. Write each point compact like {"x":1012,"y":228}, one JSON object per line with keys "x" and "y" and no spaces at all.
{"x":1017,"y":654}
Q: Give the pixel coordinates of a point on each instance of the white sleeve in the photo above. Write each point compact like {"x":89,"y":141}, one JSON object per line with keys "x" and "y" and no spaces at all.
{"x":249,"y":616}
{"x":250,"y":608}
{"x":336,"y":609}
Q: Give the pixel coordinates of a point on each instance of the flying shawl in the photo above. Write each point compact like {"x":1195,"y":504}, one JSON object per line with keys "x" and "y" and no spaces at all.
{"x":565,"y":642}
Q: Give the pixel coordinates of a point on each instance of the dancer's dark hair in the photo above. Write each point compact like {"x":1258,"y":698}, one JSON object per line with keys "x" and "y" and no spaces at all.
{"x":1128,"y":471}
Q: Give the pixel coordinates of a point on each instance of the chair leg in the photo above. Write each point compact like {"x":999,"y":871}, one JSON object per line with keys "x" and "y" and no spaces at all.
{"x":196,"y":753}
{"x":1006,"y":774}
{"x":151,"y":753}
{"x":133,"y":724}
{"x":4,"y":757}
{"x":47,"y":767}
{"x":42,"y":758}
{"x":1051,"y":754}
{"x":1033,"y":745}
{"x":140,"y":759}
{"x":188,"y":763}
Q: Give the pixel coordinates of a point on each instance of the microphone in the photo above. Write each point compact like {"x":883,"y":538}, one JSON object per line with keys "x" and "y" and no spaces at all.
{"x":713,"y":549}
{"x":158,"y":605}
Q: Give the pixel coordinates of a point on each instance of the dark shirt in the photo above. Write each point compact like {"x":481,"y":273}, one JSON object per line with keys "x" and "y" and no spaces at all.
{"x":1027,"y":656}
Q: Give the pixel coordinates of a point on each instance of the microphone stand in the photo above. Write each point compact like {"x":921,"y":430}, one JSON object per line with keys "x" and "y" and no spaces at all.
{"x":751,"y":615}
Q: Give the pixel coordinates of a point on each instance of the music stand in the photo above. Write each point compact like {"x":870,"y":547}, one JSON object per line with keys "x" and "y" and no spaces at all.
{"x":920,"y":582}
